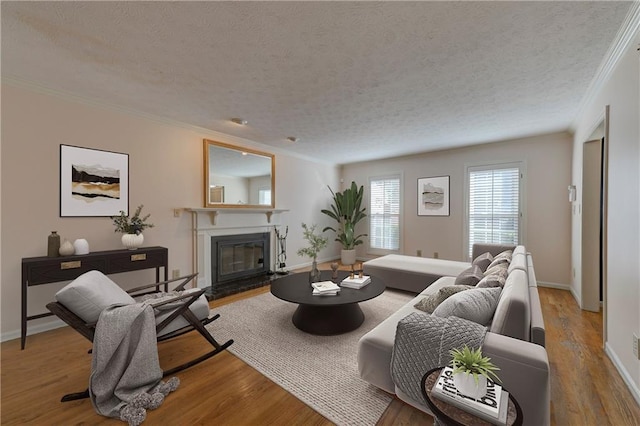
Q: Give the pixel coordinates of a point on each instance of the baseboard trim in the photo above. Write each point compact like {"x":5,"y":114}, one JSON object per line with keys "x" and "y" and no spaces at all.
{"x":633,"y":388}
{"x":35,"y":329}
{"x":554,"y":285}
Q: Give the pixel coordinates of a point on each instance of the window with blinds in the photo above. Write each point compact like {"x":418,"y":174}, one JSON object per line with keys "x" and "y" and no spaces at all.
{"x":384,"y":213}
{"x":494,"y":213}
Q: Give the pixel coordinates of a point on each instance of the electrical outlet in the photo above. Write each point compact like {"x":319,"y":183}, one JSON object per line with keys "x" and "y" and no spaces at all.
{"x":175,"y":273}
{"x":435,"y":255}
{"x":176,"y":212}
{"x":636,"y":342}
{"x":419,"y":253}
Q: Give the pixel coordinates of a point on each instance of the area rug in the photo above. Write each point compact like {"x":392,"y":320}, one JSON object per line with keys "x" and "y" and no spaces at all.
{"x":321,"y":371}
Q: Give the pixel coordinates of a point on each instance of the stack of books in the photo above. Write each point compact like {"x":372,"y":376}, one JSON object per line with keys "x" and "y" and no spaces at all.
{"x":355,"y":282}
{"x":492,"y":407}
{"x":325,"y":288}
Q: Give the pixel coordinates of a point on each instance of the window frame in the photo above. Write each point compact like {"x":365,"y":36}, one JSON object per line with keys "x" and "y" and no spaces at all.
{"x":519,"y":164}
{"x":380,"y":251}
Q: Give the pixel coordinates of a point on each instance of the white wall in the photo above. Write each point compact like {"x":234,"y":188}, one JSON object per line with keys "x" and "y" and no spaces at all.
{"x":622,"y":93}
{"x":547,"y":227}
{"x":165,"y":171}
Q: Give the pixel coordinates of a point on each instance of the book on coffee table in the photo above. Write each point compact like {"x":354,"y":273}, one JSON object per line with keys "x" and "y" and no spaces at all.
{"x":491,"y":407}
{"x":325,"y":288}
{"x":356,"y":282}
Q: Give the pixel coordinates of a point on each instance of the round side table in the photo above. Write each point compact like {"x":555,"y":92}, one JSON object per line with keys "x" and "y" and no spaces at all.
{"x":449,"y":415}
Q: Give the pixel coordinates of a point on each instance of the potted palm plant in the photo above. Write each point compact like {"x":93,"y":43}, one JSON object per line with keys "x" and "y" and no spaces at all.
{"x":347,"y":210}
{"x":471,"y":371}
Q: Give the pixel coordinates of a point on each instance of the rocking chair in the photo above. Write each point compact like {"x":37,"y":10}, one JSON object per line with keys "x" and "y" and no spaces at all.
{"x":80,"y":303}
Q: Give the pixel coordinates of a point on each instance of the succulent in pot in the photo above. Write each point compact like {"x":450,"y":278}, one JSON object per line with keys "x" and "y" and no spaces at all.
{"x":471,"y":370}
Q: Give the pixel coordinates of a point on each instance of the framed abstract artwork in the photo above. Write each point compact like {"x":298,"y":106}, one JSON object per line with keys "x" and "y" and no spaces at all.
{"x":433,"y":196}
{"x":93,"y":182}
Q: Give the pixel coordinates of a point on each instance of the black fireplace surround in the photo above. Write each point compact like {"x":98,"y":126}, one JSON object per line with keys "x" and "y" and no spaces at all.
{"x":238,"y":263}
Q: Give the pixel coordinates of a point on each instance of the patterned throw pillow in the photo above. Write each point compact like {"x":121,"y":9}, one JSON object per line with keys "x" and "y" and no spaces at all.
{"x":500,"y":268}
{"x":477,"y":305}
{"x":502,"y":258}
{"x":431,"y":302}
{"x":483,"y":261}
{"x":495,"y":279}
{"x":470,"y":276}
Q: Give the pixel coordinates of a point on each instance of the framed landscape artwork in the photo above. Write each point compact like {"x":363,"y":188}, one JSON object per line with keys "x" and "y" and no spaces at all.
{"x":93,"y":182}
{"x":433,"y":196}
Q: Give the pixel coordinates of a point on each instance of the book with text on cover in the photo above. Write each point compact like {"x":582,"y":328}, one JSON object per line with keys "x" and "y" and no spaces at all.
{"x":492,"y":407}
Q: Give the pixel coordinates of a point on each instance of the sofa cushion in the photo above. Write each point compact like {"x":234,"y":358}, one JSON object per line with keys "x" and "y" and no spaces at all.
{"x":483,"y":261}
{"x":513,"y":314}
{"x":518,"y":261}
{"x":477,"y":305}
{"x":470,"y":276}
{"x":430,"y":303}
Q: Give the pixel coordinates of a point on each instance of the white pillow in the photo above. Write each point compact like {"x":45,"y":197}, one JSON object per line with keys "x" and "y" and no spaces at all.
{"x":90,"y":294}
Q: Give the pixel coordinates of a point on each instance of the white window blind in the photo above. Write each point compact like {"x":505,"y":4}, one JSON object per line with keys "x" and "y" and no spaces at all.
{"x":494,"y":204}
{"x":384,"y":213}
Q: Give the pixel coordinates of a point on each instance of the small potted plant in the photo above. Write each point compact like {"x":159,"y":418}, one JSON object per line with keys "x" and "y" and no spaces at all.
{"x":131,"y":228}
{"x":471,"y":371}
{"x":316,"y":243}
{"x":347,"y":210}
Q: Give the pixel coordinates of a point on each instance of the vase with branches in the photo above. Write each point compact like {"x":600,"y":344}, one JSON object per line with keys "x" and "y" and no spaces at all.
{"x":131,"y":227}
{"x":316,"y":243}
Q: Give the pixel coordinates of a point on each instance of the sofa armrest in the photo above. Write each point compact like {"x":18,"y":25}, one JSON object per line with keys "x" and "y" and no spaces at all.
{"x":524,"y":371}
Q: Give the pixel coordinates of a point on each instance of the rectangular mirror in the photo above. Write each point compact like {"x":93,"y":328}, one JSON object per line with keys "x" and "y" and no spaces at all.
{"x":237,"y":177}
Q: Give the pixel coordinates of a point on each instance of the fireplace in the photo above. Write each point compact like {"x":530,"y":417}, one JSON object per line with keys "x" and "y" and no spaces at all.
{"x":239,"y":262}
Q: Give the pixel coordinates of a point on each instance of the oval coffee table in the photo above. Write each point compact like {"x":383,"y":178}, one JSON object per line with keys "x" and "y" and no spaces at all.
{"x":325,"y":315}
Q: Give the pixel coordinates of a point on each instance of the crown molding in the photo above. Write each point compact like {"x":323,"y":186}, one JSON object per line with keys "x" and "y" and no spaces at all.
{"x":623,"y":38}
{"x":223,"y":137}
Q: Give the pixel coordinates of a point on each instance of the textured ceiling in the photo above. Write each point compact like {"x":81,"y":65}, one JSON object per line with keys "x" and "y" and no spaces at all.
{"x":352,"y":80}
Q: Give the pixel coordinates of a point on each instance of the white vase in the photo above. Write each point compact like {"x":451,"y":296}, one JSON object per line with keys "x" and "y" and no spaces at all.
{"x":81,"y":246}
{"x":348,"y":257}
{"x":466,"y":384}
{"x":132,"y":241}
{"x":66,"y":248}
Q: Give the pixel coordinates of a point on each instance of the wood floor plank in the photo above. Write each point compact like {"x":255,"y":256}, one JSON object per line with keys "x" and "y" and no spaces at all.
{"x":586,"y":388}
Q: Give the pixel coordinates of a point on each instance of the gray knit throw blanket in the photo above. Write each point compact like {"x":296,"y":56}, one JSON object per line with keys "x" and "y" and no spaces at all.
{"x":423,"y":342}
{"x":125,"y":371}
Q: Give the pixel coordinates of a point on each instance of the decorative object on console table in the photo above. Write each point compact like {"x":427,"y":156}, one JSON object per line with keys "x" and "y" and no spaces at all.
{"x":66,"y":248}
{"x":45,"y":270}
{"x":93,"y":182}
{"x":53,"y":244}
{"x":131,"y":229}
{"x":81,"y":246}
{"x":347,"y":210}
{"x":316,"y":243}
{"x":433,"y":196}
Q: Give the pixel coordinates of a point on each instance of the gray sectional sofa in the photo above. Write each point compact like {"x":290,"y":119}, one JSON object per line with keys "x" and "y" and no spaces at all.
{"x":515,"y":338}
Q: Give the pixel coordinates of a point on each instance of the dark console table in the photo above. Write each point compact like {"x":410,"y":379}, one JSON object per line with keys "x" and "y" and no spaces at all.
{"x":47,"y":270}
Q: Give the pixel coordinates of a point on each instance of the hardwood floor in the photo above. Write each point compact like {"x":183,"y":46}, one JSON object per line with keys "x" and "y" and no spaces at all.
{"x":586,"y":388}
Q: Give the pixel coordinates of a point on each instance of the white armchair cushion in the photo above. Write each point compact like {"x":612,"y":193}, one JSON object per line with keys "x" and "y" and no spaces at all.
{"x":90,"y":294}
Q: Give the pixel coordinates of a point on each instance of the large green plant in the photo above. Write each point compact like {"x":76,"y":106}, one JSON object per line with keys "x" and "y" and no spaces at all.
{"x":347,"y":210}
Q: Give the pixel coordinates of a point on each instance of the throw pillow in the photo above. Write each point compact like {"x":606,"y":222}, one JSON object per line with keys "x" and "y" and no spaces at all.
{"x":507,"y":254}
{"x":500,"y":261}
{"x":500,"y":268}
{"x":477,"y":305}
{"x":483,"y":261}
{"x":496,"y":279}
{"x":431,"y":302}
{"x":469,"y":276}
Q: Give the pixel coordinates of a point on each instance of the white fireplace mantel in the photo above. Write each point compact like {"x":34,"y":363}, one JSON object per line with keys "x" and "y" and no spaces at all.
{"x":213,"y":211}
